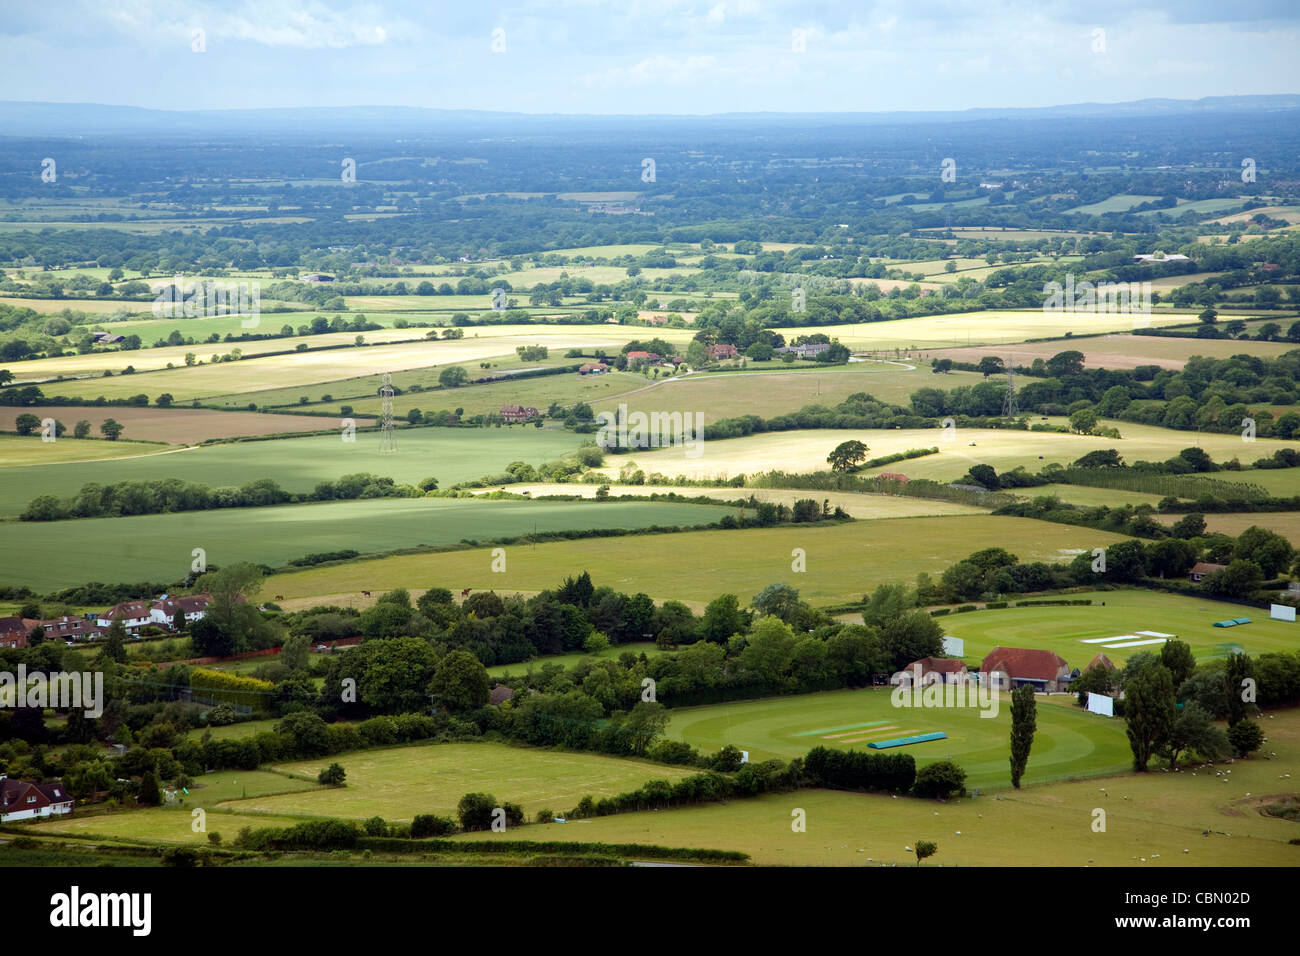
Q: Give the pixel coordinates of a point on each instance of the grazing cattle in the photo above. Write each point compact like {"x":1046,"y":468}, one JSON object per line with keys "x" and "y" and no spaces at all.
{"x":366,"y":593}
{"x":279,"y":597}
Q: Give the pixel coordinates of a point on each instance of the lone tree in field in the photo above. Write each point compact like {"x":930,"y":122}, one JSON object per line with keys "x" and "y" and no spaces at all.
{"x":847,"y":455}
{"x":111,"y":429}
{"x":1150,"y":710}
{"x":334,"y":775}
{"x":925,"y":848}
{"x":1024,"y":721}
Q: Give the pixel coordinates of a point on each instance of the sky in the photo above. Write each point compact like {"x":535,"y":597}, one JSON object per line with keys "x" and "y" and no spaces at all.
{"x":644,"y":56}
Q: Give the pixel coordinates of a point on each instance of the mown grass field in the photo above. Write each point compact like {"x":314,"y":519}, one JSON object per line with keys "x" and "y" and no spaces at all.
{"x":1065,"y":629}
{"x":159,"y":547}
{"x":1004,"y":449}
{"x":648,"y":648}
{"x":176,"y":426}
{"x":397,"y":783}
{"x":844,"y":561}
{"x":450,"y":454}
{"x":1069,"y":741}
{"x":1151,"y":819}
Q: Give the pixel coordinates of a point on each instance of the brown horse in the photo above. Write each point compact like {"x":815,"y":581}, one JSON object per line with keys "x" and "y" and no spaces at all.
{"x":465,"y":593}
{"x":279,"y":597}
{"x":366,"y":593}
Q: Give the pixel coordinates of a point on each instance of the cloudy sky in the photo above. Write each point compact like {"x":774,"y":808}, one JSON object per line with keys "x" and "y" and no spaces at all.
{"x":645,"y":56}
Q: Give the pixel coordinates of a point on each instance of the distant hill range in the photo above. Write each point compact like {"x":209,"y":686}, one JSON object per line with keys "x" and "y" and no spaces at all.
{"x":73,"y":120}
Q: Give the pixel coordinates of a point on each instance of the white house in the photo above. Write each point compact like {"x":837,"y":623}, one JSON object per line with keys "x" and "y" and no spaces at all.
{"x":164,"y":609}
{"x":133,"y":615}
{"x":20,"y":800}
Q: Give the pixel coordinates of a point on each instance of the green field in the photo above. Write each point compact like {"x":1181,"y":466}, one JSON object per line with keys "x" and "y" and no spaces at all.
{"x":397,"y":783}
{"x":844,"y":561}
{"x":27,"y":450}
{"x":1065,"y":629}
{"x":159,"y":547}
{"x":1069,"y":742}
{"x":450,"y":454}
{"x":1121,"y":203}
{"x":648,"y":648}
{"x":1151,"y":820}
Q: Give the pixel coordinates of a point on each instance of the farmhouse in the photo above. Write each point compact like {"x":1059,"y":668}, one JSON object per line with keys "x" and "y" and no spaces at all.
{"x":803,"y":351}
{"x":893,"y":476}
{"x":20,"y":800}
{"x":722,"y":351}
{"x":593,"y":368}
{"x":637,"y":356}
{"x":517,"y":413}
{"x":656,"y":320}
{"x":918,"y":672}
{"x":1201,"y":568}
{"x":133,"y":615}
{"x":13,"y":632}
{"x":1009,"y":667}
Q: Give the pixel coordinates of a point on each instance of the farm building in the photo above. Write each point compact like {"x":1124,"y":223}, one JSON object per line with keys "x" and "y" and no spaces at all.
{"x":1201,"y":568}
{"x":500,"y":694}
{"x":723,"y":351}
{"x":1009,"y":667}
{"x":803,"y":351}
{"x":517,"y":413}
{"x":918,"y":672}
{"x":593,"y":368}
{"x":20,"y":800}
{"x":316,"y":277}
{"x":893,"y":476}
{"x":639,"y":356}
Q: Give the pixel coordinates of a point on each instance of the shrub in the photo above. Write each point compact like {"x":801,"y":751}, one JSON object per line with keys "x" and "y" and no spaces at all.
{"x":333,"y":775}
{"x":940,"y":780}
{"x":1245,"y":737}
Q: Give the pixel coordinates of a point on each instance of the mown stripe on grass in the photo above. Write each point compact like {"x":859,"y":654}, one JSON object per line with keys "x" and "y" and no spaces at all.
{"x":831,"y":730}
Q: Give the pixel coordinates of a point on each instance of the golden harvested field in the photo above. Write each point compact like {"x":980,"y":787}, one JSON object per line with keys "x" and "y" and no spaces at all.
{"x":1121,"y":351}
{"x":806,"y":450}
{"x":1285,"y":523}
{"x":857,"y":505}
{"x":176,"y":426}
{"x":982,"y":328}
{"x":305,"y":368}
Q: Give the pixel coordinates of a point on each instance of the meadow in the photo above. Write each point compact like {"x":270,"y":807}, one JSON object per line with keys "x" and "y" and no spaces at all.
{"x":24,"y":450}
{"x":844,"y":561}
{"x":1119,"y":351}
{"x":158,"y":547}
{"x":1285,"y":523}
{"x":396,"y":783}
{"x":1067,"y":630}
{"x":297,"y":464}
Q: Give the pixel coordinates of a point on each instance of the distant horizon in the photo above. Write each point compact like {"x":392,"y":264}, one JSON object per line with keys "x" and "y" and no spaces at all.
{"x":645,"y":57}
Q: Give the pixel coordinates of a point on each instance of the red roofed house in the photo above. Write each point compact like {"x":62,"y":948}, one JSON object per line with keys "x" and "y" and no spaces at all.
{"x":723,"y":351}
{"x":517,"y":413}
{"x":13,"y":632}
{"x":133,"y":615}
{"x":657,"y":320}
{"x":947,"y":668}
{"x":66,"y":628}
{"x":638,"y":355}
{"x":893,"y":476}
{"x":1009,"y":667}
{"x":164,"y":609}
{"x":593,"y":368}
{"x":20,"y":800}
{"x":1101,"y":660}
{"x":1201,"y":568}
